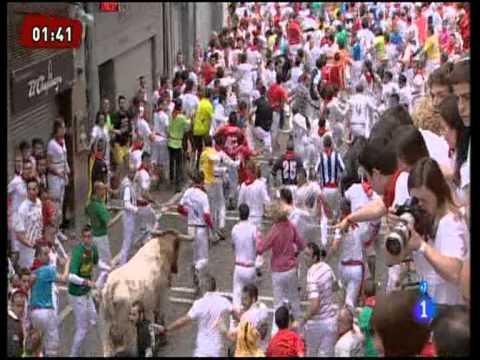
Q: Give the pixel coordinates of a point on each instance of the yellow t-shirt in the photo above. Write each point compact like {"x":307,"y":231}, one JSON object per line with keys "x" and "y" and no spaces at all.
{"x":271,"y":41}
{"x":432,"y":49}
{"x":207,"y":165}
{"x":379,"y":44}
{"x":203,"y":117}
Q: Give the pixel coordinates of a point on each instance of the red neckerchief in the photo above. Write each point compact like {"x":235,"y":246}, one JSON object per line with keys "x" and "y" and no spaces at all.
{"x":369,"y":77}
{"x":322,"y":131}
{"x":367,"y":188}
{"x":36,"y":264}
{"x":253,"y":48}
{"x":137,"y":145}
{"x":370,"y":301}
{"x":389,"y":194}
{"x":290,"y":155}
{"x":201,"y":187}
{"x":249,"y":180}
{"x":99,"y":155}
{"x":143,"y":167}
{"x":60,"y":142}
{"x":328,"y":151}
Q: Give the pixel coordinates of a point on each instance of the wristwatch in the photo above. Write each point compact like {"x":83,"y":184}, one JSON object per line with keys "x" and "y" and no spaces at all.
{"x":422,"y":248}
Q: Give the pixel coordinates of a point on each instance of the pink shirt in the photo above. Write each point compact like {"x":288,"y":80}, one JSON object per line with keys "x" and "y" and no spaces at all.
{"x":283,"y":239}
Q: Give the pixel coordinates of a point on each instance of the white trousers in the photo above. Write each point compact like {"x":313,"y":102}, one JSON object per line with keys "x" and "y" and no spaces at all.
{"x":216,"y":198}
{"x":200,"y":247}
{"x":160,"y":154}
{"x":264,"y":136}
{"x":332,"y":198}
{"x":146,"y":219}
{"x":104,"y":255}
{"x":241,"y":276}
{"x":232,"y":184}
{"x":47,"y":322}
{"x":352,"y":277}
{"x":85,"y":316}
{"x":285,"y":287}
{"x":324,"y":231}
{"x":128,"y":220}
{"x":321,"y":337}
{"x":56,"y":190}
{"x":257,"y":221}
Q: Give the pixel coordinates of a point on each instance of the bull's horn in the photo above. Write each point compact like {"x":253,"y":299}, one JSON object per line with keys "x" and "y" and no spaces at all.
{"x":185,"y":237}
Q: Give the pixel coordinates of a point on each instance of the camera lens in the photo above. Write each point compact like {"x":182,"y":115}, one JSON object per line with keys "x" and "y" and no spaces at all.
{"x":394,"y":244}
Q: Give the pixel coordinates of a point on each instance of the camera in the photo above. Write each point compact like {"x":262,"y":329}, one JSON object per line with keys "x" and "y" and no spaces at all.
{"x":412,"y":215}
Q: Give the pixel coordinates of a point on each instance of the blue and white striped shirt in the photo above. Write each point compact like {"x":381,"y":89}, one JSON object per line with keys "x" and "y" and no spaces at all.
{"x":329,"y":168}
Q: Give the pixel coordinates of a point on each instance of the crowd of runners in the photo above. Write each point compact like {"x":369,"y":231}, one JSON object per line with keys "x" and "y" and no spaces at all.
{"x":344,"y":126}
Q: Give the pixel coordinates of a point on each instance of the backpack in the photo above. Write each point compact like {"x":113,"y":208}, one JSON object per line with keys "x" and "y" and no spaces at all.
{"x":313,"y":94}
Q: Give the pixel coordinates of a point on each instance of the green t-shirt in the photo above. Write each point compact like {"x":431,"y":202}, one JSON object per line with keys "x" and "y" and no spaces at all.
{"x":176,"y":130}
{"x":365,"y":326}
{"x":99,"y":216}
{"x":342,"y":38}
{"x":81,"y":264}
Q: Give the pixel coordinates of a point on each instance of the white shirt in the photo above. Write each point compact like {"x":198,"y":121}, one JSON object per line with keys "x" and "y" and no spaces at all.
{"x":269,"y":77}
{"x":406,"y":96}
{"x":361,"y":106}
{"x":451,"y":239}
{"x":401,"y":189}
{"x":136,"y":158}
{"x":350,"y":344}
{"x":160,"y":126}
{"x":205,"y":312}
{"x":357,"y":196}
{"x":144,"y":132}
{"x":351,"y":246}
{"x":320,"y":280}
{"x":143,"y":180}
{"x":465,"y":171}
{"x":245,"y":78}
{"x":97,"y":134}
{"x":17,"y":189}
{"x":366,"y":39}
{"x":315,"y":53}
{"x":253,"y":57}
{"x":58,"y":155}
{"x":189,"y":104}
{"x":244,"y":237}
{"x":196,"y":201}
{"x":29,"y":219}
{"x":389,"y":89}
{"x":306,"y":197}
{"x":437,"y":147}
{"x":129,"y":196}
{"x":255,"y":196}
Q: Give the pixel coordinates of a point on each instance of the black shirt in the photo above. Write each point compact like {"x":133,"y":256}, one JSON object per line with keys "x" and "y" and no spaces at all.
{"x":121,"y":121}
{"x":99,"y":172}
{"x":290,"y":164}
{"x":264,"y":114}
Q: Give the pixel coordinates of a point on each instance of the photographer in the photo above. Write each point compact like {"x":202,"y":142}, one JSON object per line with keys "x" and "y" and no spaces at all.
{"x":447,"y":243}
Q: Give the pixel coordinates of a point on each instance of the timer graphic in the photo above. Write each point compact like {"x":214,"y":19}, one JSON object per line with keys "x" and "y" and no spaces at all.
{"x":43,"y":31}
